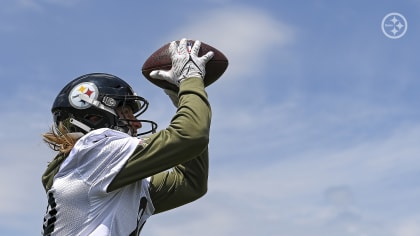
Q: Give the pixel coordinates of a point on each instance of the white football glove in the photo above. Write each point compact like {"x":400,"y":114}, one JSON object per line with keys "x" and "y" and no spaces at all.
{"x":185,"y":63}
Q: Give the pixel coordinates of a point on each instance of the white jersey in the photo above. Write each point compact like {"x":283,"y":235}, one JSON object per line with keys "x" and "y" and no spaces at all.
{"x":78,"y":201}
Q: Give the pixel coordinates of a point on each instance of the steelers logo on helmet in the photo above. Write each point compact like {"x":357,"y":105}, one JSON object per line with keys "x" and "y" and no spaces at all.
{"x":81,"y":90}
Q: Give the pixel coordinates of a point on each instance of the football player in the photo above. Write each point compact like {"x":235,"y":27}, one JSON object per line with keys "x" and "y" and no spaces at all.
{"x":106,"y":178}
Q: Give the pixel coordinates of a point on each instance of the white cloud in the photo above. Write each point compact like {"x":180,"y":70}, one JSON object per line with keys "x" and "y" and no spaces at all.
{"x":28,"y":4}
{"x":408,"y":227}
{"x":23,"y":198}
{"x":65,"y":3}
{"x":38,"y":4}
{"x":301,"y":191}
{"x":320,"y":185}
{"x":245,"y":35}
{"x":32,"y":5}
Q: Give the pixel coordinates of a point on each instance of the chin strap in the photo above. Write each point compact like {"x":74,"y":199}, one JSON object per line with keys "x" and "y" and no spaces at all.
{"x":80,"y":125}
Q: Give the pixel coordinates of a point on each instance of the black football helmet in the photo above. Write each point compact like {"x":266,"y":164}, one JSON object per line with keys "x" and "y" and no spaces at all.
{"x":89,"y":102}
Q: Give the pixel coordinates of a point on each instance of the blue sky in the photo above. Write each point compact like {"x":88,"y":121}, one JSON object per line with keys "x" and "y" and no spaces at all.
{"x":315,"y":123}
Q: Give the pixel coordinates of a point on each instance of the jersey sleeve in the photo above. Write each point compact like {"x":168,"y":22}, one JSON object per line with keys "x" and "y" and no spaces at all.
{"x":99,"y":156}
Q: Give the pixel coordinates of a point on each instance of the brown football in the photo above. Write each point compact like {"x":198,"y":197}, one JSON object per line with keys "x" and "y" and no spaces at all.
{"x":161,"y":60}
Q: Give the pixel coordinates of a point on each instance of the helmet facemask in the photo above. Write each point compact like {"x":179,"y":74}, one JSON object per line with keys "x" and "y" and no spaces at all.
{"x":137,"y":106}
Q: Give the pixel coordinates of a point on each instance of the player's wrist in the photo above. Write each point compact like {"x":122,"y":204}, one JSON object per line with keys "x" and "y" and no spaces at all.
{"x":192,"y":82}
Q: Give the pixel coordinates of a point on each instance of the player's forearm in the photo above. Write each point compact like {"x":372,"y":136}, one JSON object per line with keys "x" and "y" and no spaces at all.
{"x":186,"y":137}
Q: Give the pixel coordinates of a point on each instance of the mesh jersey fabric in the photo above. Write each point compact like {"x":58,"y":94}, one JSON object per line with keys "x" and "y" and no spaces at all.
{"x":78,"y":201}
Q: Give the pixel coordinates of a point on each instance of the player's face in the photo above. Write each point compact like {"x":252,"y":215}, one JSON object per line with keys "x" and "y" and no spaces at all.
{"x":127,"y":113}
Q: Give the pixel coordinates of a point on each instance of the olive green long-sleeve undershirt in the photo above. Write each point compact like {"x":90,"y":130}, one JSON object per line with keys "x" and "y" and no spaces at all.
{"x":181,"y":148}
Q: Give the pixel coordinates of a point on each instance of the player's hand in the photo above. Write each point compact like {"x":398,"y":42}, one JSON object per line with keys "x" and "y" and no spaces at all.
{"x":185,"y":62}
